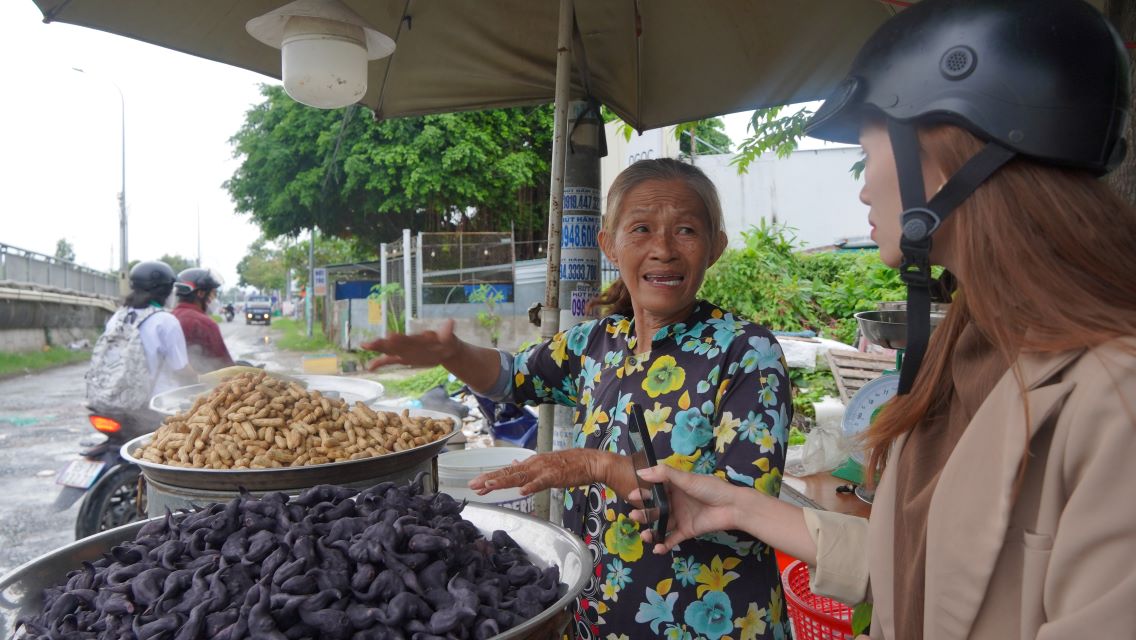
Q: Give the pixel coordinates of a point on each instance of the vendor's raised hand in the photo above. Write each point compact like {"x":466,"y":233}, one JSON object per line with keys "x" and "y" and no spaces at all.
{"x":698,"y":504}
{"x":424,"y":349}
{"x":561,"y":469}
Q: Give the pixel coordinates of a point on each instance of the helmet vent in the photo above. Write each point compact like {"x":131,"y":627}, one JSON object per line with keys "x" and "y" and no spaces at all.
{"x":957,"y":63}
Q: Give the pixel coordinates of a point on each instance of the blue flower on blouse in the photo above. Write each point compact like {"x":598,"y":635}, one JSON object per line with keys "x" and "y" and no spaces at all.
{"x":768,"y":393}
{"x":739,"y":477}
{"x":682,"y":334}
{"x":590,"y":373}
{"x":780,"y":424}
{"x":691,"y":431}
{"x":618,"y":574}
{"x":706,"y":463}
{"x":768,"y":354}
{"x":521,"y":362}
{"x":686,"y":570}
{"x":701,"y":347}
{"x":711,"y":616}
{"x":620,"y":412}
{"x":612,"y":358}
{"x":657,"y":609}
{"x":726,"y":329}
{"x":578,"y":337}
{"x":751,"y":427}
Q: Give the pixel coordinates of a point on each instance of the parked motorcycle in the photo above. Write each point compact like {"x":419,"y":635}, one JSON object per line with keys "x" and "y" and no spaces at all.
{"x":111,"y":489}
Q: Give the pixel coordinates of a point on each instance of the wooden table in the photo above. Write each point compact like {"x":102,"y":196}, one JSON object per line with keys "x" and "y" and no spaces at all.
{"x":818,"y":491}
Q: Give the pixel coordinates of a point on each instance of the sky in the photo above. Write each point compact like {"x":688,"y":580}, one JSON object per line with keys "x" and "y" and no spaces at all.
{"x":61,"y":172}
{"x":62,"y":131}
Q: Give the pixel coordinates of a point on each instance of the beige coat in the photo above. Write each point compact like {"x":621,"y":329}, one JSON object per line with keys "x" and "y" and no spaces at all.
{"x":1057,"y":560}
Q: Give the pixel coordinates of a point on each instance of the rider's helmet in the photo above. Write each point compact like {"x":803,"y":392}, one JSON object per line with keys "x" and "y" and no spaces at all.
{"x":153,"y":276}
{"x":196,"y":279}
{"x":1044,"y":79}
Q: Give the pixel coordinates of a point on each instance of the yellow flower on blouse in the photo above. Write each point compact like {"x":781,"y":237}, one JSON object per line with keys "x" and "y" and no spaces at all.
{"x":752,"y":624}
{"x":716,"y":575}
{"x":559,"y":346}
{"x":657,"y":419}
{"x":726,"y":431}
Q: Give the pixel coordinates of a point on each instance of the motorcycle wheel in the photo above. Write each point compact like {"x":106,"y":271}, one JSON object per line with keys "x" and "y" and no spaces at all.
{"x":112,"y":502}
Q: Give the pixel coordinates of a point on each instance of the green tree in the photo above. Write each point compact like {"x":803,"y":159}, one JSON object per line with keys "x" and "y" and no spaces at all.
{"x":489,"y":318}
{"x":354,"y":177}
{"x":178,"y":263}
{"x":772,"y":131}
{"x":267,"y":263}
{"x":263,"y":267}
{"x":711,"y":135}
{"x":64,"y":250}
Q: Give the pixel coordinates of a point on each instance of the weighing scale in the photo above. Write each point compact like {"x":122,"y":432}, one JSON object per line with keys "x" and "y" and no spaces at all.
{"x":886,"y":328}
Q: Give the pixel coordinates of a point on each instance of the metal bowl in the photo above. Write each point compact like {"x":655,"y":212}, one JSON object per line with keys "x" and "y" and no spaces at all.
{"x":349,"y":390}
{"x":901,"y":305}
{"x":21,"y":590}
{"x":346,"y":472}
{"x":889,"y":328}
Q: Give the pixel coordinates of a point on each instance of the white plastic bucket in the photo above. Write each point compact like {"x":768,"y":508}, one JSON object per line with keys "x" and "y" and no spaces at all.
{"x":457,"y":468}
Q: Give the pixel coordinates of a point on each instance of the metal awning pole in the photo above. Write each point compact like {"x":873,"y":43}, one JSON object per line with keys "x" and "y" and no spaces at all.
{"x":550,"y":314}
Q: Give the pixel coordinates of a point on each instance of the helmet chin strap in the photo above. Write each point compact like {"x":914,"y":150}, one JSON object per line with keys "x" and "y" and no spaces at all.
{"x":920,"y":220}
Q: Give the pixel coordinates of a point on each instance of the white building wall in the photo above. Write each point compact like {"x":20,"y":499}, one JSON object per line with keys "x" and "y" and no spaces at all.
{"x":812,"y":191}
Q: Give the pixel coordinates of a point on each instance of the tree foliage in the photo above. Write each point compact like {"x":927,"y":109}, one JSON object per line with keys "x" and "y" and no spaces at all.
{"x":710,"y":133}
{"x":64,"y":250}
{"x":353,"y":177}
{"x":267,"y":264}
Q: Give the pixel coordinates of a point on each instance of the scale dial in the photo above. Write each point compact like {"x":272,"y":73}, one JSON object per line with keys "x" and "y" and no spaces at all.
{"x":865,"y":405}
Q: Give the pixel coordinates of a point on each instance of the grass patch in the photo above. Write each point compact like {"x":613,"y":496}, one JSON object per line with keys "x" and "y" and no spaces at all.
{"x":295,"y":336}
{"x":22,"y":361}
{"x":419,"y":383}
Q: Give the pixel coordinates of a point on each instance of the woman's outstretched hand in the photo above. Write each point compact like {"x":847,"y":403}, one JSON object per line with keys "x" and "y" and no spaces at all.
{"x":424,"y":349}
{"x":560,"y":469}
{"x":698,"y":504}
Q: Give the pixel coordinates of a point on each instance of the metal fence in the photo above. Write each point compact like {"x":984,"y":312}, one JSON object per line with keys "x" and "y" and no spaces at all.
{"x":455,"y":265}
{"x":20,"y":265}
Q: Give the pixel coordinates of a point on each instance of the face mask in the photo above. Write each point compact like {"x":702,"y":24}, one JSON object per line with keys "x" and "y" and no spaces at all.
{"x":214,"y":307}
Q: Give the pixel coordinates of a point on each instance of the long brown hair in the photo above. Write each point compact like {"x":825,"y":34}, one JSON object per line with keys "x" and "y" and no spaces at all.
{"x":616,"y":298}
{"x":1047,"y":263}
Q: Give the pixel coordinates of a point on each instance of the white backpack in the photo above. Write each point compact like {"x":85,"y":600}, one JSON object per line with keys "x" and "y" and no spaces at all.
{"x":118,"y":378}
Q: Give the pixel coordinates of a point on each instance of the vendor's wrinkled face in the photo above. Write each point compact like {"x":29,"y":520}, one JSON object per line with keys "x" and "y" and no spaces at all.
{"x":662,"y":243}
{"x":881,"y":192}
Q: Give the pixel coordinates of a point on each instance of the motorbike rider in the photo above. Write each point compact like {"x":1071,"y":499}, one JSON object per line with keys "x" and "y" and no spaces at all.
{"x":162,"y":338}
{"x":196,"y":290}
{"x":229,"y":312}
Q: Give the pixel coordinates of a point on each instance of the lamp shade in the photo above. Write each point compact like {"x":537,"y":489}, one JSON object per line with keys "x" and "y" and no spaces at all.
{"x":324,"y":64}
{"x":324,"y":47}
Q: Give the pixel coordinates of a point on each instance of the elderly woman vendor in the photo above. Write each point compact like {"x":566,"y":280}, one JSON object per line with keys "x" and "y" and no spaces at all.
{"x":716,"y":398}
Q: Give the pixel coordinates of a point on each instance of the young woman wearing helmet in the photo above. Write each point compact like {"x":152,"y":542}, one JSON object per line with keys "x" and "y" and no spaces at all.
{"x":151,"y":284}
{"x":1004,"y":508}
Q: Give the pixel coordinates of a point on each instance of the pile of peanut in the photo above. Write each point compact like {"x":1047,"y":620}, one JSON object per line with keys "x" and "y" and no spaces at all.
{"x":256,"y":421}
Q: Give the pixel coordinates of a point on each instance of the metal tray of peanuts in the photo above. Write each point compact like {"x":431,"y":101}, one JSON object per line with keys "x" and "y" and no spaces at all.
{"x":264,"y":433}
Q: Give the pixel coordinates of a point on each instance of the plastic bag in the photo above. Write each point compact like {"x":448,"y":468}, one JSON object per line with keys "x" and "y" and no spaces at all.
{"x":826,"y":447}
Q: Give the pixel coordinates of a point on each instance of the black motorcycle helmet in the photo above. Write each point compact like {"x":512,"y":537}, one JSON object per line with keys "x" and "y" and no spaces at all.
{"x":196,"y":279}
{"x":1044,"y":79}
{"x":153,"y":276}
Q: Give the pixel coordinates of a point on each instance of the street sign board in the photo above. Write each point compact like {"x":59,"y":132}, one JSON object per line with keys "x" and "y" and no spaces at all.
{"x":320,"y":281}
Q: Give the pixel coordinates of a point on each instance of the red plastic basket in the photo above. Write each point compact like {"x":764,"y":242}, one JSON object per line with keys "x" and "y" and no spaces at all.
{"x":814,"y":617}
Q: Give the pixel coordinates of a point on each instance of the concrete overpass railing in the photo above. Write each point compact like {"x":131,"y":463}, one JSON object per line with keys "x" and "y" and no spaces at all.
{"x":22,"y":266}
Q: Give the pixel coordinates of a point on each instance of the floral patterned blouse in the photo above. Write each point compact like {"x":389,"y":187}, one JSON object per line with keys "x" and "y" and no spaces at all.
{"x":717,"y":400}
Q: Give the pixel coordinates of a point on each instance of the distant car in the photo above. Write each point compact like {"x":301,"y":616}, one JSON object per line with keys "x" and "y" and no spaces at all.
{"x":258,"y":310}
